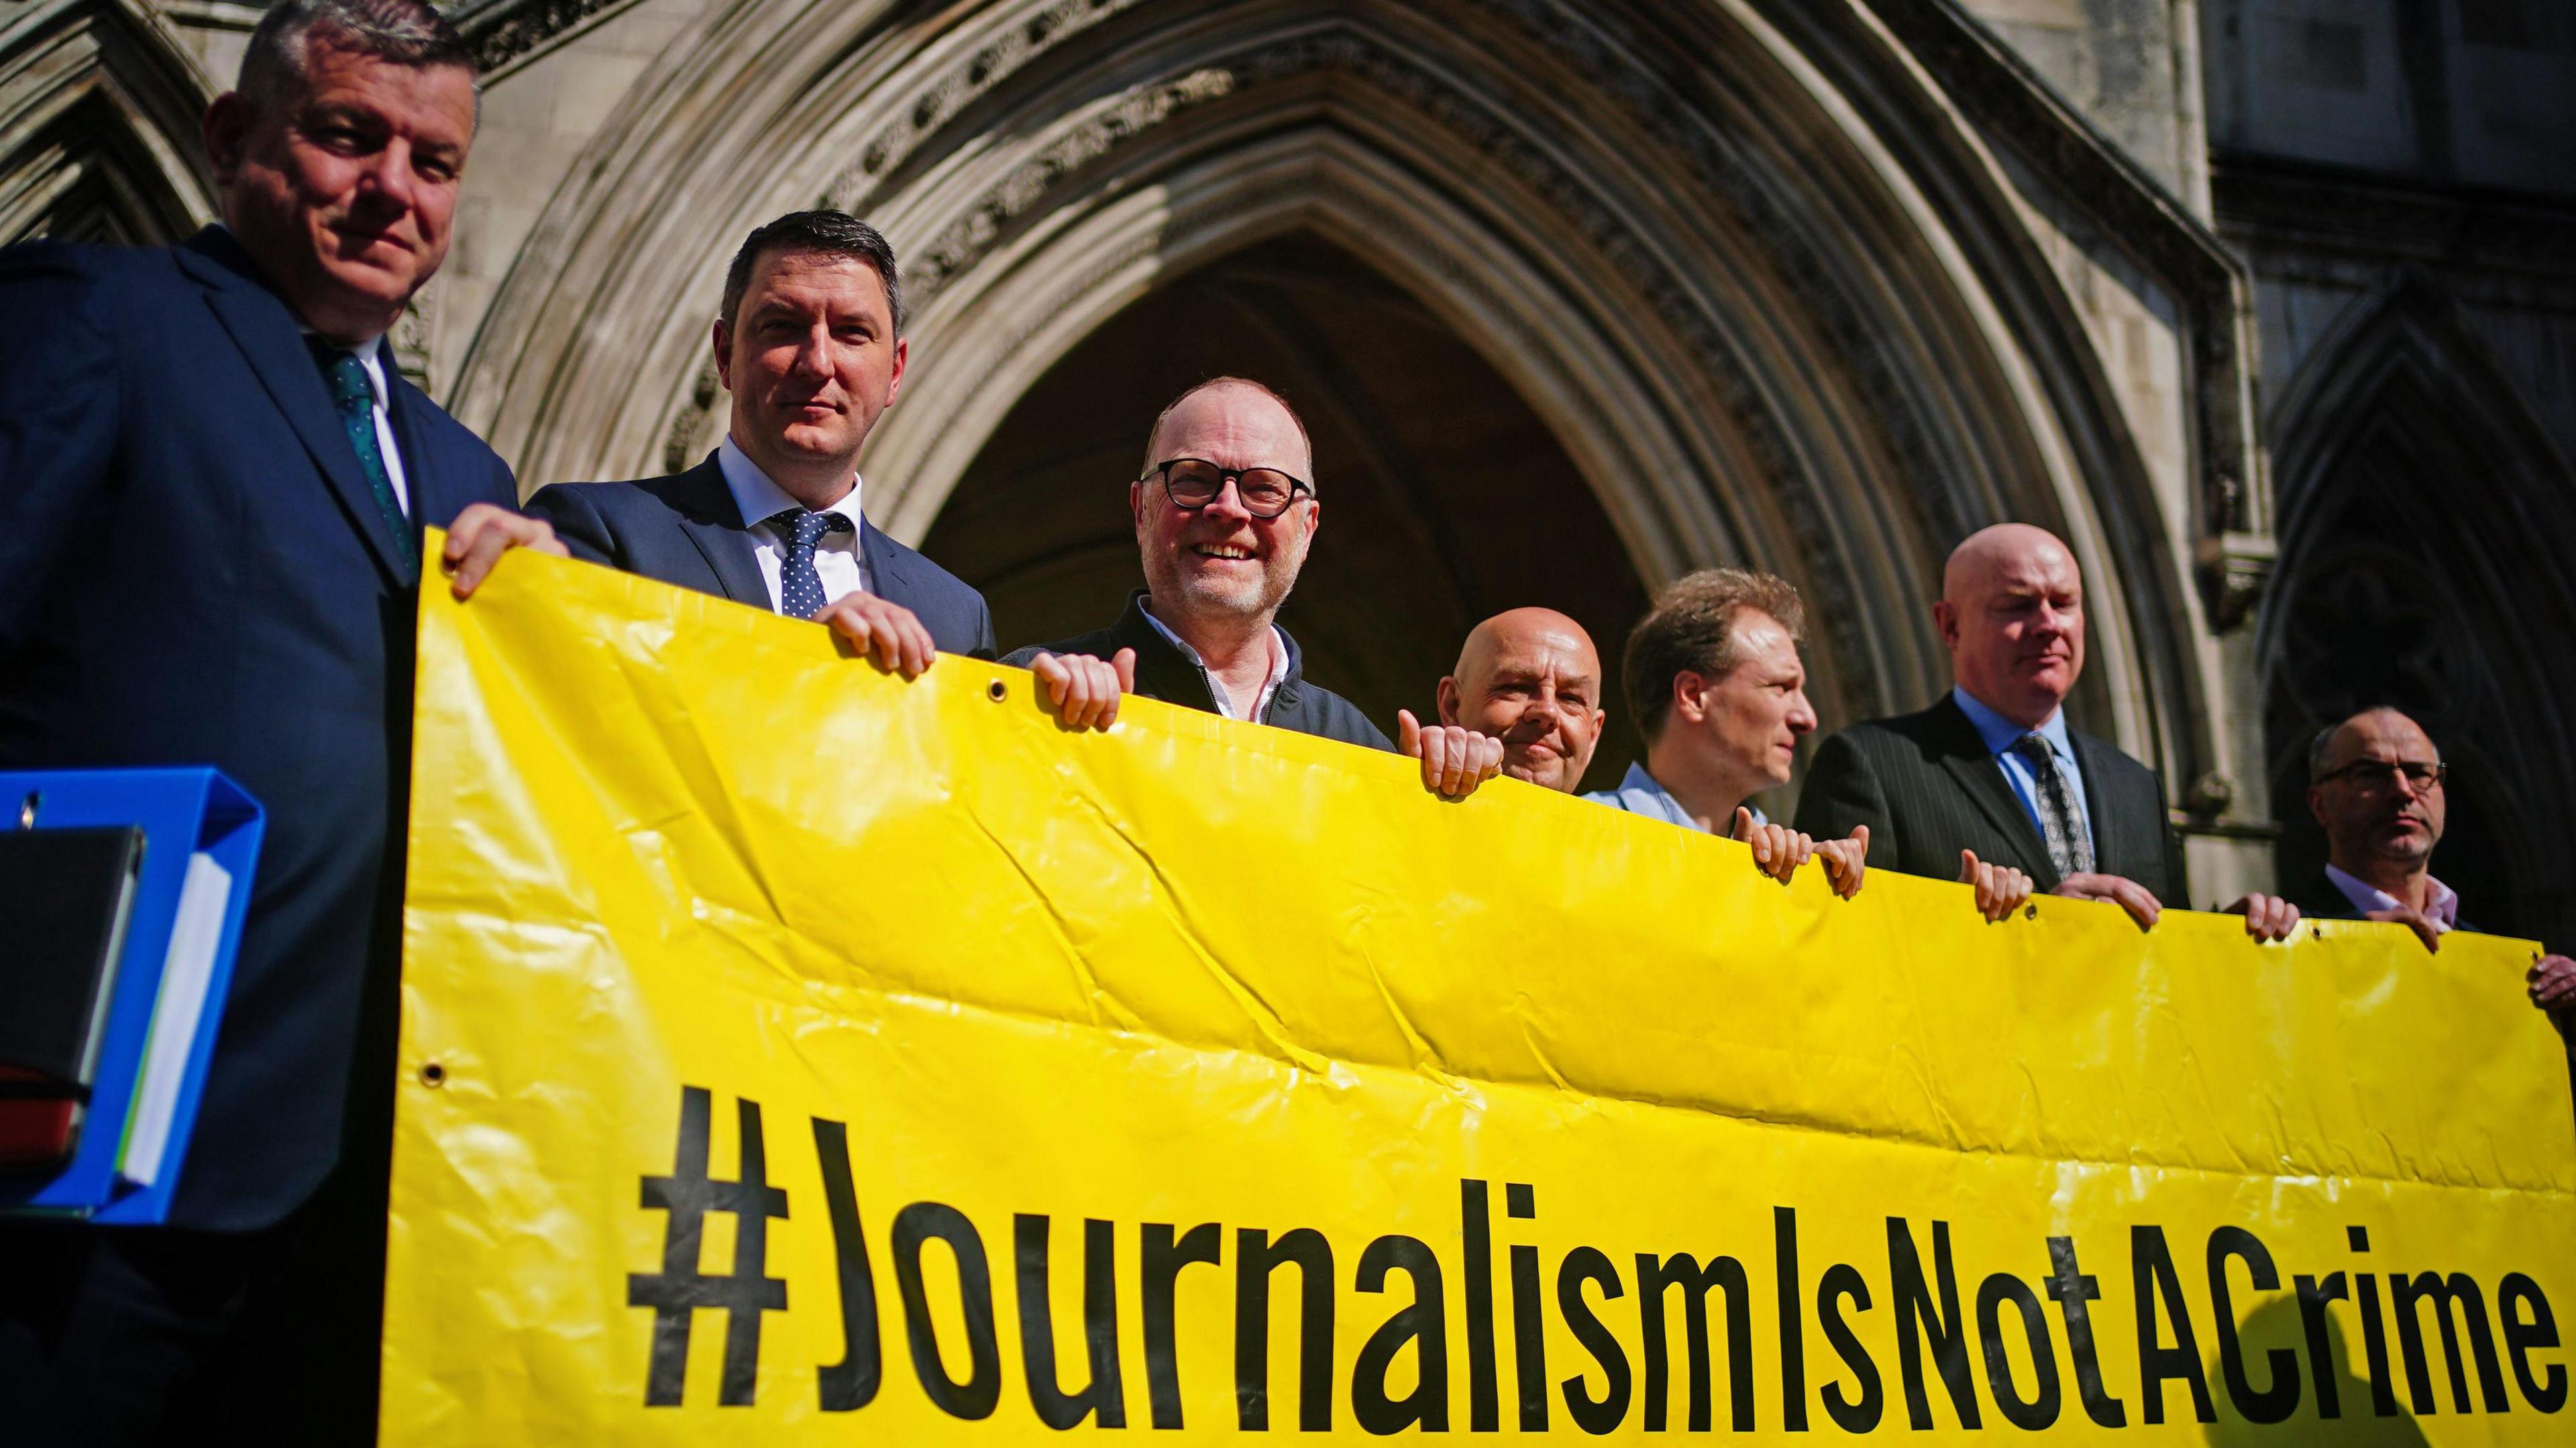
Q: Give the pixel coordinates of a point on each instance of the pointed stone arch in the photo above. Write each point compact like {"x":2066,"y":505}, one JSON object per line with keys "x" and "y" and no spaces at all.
{"x":1753,"y":266}
{"x":2426,"y":520}
{"x":98,"y":126}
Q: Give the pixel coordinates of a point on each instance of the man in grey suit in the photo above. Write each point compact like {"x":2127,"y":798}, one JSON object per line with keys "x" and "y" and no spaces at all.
{"x":1993,"y":768}
{"x":809,"y":341}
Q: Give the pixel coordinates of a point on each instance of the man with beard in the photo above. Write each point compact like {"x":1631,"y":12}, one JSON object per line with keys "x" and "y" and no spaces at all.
{"x":1530,"y":678}
{"x":2375,"y":782}
{"x":1992,"y":771}
{"x":1225,"y":511}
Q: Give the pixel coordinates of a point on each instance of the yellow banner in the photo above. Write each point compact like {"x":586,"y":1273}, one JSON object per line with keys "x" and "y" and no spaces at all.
{"x":796,"y":1055}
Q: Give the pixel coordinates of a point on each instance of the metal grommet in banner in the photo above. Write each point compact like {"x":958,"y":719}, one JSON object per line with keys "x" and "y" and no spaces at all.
{"x":997,"y":691}
{"x":2030,"y":912}
{"x":433,"y":1075}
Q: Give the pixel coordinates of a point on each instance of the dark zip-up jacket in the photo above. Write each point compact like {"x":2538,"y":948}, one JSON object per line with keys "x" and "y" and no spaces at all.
{"x":1164,"y":672}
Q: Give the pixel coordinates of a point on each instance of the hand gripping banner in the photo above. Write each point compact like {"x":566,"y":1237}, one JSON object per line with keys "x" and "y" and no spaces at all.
{"x":792,"y":1054}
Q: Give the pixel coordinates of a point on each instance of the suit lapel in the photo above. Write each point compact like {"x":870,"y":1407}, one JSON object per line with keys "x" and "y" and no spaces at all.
{"x":712,"y":522}
{"x":889,"y":568}
{"x":1964,"y":755}
{"x":432,"y":502}
{"x":2108,"y":835}
{"x":265,"y":331}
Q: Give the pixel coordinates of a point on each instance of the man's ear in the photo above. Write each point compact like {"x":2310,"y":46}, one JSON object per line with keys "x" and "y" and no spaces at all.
{"x":723,"y":344}
{"x":2317,"y":803}
{"x":894,"y":381}
{"x":1945,"y":617}
{"x":225,"y":129}
{"x":1448,"y":700}
{"x":1690,"y":697}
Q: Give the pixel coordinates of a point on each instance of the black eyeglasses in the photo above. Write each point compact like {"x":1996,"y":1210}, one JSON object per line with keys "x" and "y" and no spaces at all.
{"x":1193,"y":483}
{"x":2375,"y":773}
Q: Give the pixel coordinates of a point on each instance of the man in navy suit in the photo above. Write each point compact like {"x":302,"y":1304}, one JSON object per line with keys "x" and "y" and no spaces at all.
{"x":809,"y":341}
{"x":212,"y":489}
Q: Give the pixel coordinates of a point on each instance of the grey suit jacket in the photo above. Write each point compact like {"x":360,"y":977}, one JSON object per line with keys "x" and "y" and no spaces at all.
{"x":683,"y":528}
{"x":1927,"y":788}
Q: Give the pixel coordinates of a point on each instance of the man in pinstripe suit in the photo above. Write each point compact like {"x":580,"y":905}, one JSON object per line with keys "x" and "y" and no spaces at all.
{"x":1993,"y":770}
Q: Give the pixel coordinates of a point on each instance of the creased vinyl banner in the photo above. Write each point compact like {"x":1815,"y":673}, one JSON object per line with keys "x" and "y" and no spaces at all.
{"x":796,"y":1055}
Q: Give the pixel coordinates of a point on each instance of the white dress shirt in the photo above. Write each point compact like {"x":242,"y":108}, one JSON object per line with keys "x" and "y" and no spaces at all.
{"x":2441,"y":902}
{"x":1216,"y":688}
{"x":838,"y":560}
{"x":371,"y":357}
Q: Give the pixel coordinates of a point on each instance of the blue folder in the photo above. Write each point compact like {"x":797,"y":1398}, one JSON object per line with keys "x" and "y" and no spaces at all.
{"x":182,"y":812}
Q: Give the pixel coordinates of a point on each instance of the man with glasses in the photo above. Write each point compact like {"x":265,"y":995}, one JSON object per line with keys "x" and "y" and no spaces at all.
{"x":1225,"y":511}
{"x":2375,"y":782}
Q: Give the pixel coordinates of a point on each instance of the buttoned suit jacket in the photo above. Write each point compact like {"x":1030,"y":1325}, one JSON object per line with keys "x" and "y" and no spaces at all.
{"x":685,"y":529}
{"x":1927,"y":787}
{"x":193,"y":571}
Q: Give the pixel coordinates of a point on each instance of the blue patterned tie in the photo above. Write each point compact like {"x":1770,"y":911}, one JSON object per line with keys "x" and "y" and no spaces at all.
{"x":2070,"y":849}
{"x":354,"y":398}
{"x":800,"y":588}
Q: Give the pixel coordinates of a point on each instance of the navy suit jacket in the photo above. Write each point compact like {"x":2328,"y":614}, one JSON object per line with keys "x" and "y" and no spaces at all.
{"x":193,"y":571}
{"x":1927,"y":787}
{"x":683,"y":528}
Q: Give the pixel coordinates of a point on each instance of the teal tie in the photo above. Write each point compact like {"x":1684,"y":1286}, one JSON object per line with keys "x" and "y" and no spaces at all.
{"x":355,"y":400}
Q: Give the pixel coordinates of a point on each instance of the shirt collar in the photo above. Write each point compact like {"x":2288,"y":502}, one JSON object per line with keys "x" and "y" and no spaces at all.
{"x":1999,"y":734}
{"x":2441,"y":902}
{"x":1278,"y":650}
{"x":759,"y":499}
{"x":1638,"y":781}
{"x":371,"y":360}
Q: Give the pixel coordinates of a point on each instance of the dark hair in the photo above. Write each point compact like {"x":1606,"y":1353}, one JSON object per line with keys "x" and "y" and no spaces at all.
{"x":1691,"y":629}
{"x":826,"y":233}
{"x":1155,"y":433}
{"x":402,"y":32}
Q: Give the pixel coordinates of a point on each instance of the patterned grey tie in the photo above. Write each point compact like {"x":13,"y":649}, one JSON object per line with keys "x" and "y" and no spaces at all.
{"x":2070,"y":849}
{"x":800,"y":588}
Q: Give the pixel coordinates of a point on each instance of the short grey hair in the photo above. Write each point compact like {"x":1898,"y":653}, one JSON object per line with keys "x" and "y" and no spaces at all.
{"x":402,"y":32}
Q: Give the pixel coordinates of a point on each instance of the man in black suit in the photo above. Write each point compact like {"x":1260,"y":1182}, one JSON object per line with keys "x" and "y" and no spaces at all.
{"x":1993,"y":769}
{"x":1225,"y":512}
{"x":809,"y":341}
{"x":212,"y":487}
{"x":2376,"y":785}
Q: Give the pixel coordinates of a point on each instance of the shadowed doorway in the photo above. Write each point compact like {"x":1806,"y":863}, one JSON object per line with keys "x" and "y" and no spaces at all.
{"x":1445,"y":498}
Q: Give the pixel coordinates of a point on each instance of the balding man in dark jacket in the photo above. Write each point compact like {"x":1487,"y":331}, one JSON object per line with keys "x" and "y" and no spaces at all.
{"x":1225,"y":511}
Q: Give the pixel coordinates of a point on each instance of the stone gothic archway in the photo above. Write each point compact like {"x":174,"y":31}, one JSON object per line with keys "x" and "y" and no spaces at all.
{"x":1758,"y":276}
{"x":98,"y":126}
{"x":2426,"y":524}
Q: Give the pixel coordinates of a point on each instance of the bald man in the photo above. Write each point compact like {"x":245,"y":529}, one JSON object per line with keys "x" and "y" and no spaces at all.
{"x":1531,"y":678}
{"x":1992,"y":771}
{"x":2377,"y":785}
{"x":1225,"y":511}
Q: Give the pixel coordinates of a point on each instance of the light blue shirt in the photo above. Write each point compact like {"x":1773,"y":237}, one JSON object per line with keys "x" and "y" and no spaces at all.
{"x":1640,"y":794}
{"x":2000,"y":734}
